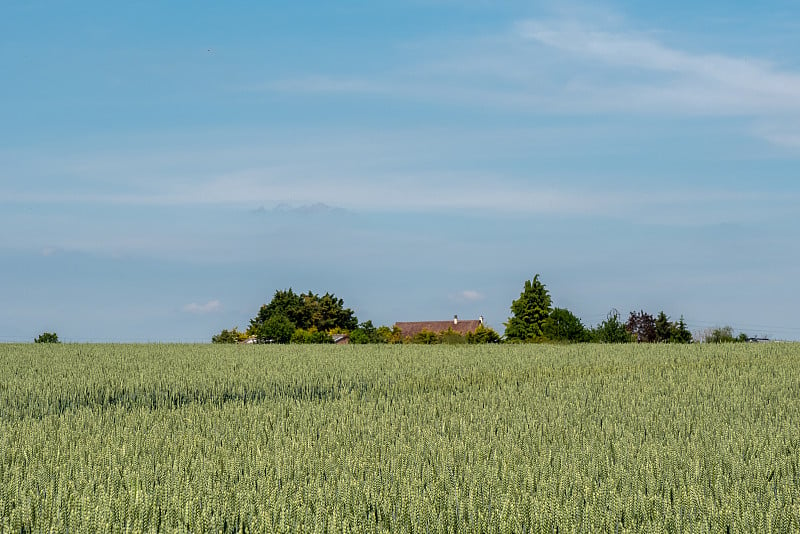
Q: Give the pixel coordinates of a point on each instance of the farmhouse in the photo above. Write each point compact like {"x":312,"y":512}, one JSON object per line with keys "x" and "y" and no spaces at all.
{"x":411,"y":329}
{"x":341,"y":339}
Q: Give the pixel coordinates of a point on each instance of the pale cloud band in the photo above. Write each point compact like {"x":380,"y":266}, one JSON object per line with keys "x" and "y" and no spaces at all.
{"x":570,"y":66}
{"x":470,"y":295}
{"x":208,"y":307}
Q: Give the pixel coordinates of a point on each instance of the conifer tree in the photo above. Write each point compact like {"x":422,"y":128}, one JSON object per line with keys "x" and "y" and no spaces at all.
{"x":530,"y":311}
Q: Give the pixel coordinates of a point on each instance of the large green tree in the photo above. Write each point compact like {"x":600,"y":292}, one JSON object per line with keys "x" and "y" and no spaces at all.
{"x":563,"y":325}
{"x":307,"y":311}
{"x":277,"y":329}
{"x":530,"y":311}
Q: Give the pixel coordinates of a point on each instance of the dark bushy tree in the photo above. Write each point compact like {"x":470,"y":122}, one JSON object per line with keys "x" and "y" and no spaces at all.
{"x":563,"y":325}
{"x":642,"y":327}
{"x":47,"y":337}
{"x":530,"y":311}
{"x":612,"y":330}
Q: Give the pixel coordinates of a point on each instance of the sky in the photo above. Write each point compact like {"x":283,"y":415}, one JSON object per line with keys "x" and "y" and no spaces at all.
{"x":165,"y":167}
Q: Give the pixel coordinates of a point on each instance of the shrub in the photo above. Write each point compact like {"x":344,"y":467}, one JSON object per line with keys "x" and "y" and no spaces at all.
{"x":47,"y":337}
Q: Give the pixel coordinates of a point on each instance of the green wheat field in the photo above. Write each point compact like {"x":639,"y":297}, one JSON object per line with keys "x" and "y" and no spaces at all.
{"x":298,"y":438}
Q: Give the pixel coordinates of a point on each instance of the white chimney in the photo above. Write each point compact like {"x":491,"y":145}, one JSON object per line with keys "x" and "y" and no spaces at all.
{"x":481,"y":319}
{"x":455,"y":319}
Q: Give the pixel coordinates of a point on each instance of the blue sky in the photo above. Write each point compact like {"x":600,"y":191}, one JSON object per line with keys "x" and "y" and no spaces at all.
{"x":165,"y":167}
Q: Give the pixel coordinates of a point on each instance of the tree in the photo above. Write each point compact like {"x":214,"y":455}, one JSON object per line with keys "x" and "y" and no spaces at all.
{"x":286,"y":303}
{"x":451,"y":337}
{"x":229,"y":336}
{"x":328,"y":312}
{"x":425,"y":337}
{"x":642,"y":327}
{"x":310,"y":336}
{"x":307,"y":311}
{"x":47,"y":337}
{"x":680,"y":333}
{"x":720,"y":334}
{"x":391,"y":335}
{"x":612,"y":330}
{"x":724,"y":334}
{"x":367,"y":333}
{"x":563,"y":325}
{"x":530,"y":311}
{"x":664,"y":328}
{"x":483,"y":334}
{"x":277,"y":329}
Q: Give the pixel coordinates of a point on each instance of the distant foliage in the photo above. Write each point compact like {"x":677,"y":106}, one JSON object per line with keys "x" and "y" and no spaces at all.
{"x":47,"y":337}
{"x":450,"y":337}
{"x":664,"y":328}
{"x":564,"y":326}
{"x":723,"y":334}
{"x":276,"y":329}
{"x":425,"y":337}
{"x":392,"y":336}
{"x":642,"y":327}
{"x":307,"y":311}
{"x":679,"y":332}
{"x":366,"y":333}
{"x":530,"y":311}
{"x":612,"y":330}
{"x":483,"y":334}
{"x":311,"y":335}
{"x":229,"y":336}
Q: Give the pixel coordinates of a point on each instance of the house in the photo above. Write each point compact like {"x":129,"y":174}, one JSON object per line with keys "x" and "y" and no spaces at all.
{"x":411,"y":329}
{"x":341,"y":339}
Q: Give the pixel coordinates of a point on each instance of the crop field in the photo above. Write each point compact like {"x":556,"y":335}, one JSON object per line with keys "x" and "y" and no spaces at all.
{"x":297,"y":438}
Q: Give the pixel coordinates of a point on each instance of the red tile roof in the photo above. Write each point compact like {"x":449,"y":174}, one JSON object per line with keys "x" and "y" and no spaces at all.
{"x":410,"y":329}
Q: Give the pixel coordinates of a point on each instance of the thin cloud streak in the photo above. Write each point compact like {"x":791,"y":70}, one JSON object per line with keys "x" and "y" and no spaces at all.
{"x":710,"y":83}
{"x":204,"y":308}
{"x":469,"y":295}
{"x":567,"y":66}
{"x":434,"y":193}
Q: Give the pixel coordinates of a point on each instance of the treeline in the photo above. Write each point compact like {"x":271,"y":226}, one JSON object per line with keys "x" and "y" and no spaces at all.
{"x":535,"y":320}
{"x":310,"y":318}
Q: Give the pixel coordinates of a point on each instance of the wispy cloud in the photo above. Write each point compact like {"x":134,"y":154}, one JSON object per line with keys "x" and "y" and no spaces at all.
{"x":779,"y":133}
{"x":689,"y":82}
{"x":208,"y":307}
{"x":475,"y":193}
{"x":568,"y":65}
{"x":468,"y":295}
